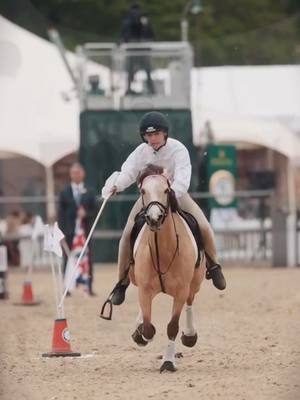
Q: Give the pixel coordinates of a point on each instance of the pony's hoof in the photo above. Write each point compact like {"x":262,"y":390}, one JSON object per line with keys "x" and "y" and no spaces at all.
{"x":167,"y":366}
{"x":189,"y":341}
{"x":138,"y":338}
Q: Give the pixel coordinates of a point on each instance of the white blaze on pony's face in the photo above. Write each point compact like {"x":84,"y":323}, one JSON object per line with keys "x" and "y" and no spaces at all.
{"x":155,"y":193}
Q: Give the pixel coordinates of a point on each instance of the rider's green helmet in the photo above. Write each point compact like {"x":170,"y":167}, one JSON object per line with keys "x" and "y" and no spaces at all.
{"x":152,"y":122}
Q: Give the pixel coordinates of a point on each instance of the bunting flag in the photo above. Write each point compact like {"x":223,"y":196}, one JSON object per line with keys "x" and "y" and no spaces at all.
{"x":52,"y":237}
{"x":38,"y":227}
{"x":82,"y":275}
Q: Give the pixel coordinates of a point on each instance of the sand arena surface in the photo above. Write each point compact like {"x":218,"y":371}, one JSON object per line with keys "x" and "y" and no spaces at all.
{"x":248,"y":347}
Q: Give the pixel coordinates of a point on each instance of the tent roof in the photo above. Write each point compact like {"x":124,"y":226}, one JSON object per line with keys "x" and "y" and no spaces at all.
{"x":35,"y":119}
{"x":252,"y":104}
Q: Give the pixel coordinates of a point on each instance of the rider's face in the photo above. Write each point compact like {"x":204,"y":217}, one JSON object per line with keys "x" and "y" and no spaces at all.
{"x":155,"y":139}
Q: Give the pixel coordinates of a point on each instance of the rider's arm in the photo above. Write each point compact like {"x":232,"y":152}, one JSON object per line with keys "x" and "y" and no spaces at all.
{"x":182,"y":173}
{"x":129,"y":172}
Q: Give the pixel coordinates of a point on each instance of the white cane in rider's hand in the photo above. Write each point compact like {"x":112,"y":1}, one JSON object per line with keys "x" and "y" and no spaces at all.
{"x":83,"y":249}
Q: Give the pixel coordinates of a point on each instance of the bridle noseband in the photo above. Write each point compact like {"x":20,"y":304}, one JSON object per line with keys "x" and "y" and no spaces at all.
{"x":164,"y":211}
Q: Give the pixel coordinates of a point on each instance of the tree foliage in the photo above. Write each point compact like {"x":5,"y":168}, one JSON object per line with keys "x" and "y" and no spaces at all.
{"x":226,"y":32}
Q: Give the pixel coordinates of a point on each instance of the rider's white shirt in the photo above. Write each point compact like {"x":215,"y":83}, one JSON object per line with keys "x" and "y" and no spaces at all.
{"x":173,"y":156}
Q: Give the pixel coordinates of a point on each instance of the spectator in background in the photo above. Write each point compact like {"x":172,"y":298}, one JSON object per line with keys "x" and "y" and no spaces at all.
{"x":1,"y":205}
{"x":25,"y":243}
{"x":95,"y":86}
{"x":76,"y":202}
{"x":13,"y":222}
{"x":137,"y":28}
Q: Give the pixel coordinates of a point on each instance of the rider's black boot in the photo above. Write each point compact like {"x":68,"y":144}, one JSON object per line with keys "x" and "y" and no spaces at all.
{"x":118,"y":296}
{"x":215,"y":273}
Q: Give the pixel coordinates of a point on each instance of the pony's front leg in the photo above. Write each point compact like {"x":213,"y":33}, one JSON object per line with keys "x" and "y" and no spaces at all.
{"x":139,"y":318}
{"x":137,"y":335}
{"x":145,"y":331}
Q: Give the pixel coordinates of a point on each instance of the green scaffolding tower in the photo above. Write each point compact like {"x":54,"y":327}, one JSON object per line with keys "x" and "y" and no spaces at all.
{"x":110,"y":117}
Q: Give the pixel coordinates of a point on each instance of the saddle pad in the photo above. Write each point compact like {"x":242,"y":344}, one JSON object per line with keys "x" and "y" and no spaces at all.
{"x":195,"y":229}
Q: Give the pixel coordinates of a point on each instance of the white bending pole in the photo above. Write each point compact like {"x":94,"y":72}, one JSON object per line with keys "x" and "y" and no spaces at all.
{"x":82,"y":252}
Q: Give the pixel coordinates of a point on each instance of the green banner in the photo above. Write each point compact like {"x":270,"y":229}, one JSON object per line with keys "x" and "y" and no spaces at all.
{"x":221,"y":175}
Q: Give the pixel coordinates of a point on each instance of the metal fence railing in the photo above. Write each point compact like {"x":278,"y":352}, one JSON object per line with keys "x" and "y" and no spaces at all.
{"x":244,"y":235}
{"x":298,"y":239}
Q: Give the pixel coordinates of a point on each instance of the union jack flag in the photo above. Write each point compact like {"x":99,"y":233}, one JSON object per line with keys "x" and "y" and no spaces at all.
{"x":82,"y":275}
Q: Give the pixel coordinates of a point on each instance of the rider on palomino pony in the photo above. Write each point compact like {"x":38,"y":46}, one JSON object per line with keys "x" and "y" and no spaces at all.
{"x":173,"y":156}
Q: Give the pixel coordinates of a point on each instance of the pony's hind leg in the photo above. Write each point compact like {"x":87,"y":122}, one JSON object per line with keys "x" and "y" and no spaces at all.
{"x":189,"y":335}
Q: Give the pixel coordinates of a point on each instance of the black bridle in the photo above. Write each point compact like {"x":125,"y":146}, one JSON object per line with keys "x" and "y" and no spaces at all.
{"x":163,"y":208}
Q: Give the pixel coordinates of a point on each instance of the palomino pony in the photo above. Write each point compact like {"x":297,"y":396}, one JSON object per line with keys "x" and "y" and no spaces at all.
{"x":165,"y":255}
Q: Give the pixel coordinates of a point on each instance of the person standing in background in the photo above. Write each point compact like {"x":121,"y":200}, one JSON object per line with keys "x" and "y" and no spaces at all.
{"x":13,"y":223}
{"x":136,"y":28}
{"x":77,"y":203}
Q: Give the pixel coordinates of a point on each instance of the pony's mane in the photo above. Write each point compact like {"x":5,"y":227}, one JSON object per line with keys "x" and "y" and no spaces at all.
{"x":150,"y":169}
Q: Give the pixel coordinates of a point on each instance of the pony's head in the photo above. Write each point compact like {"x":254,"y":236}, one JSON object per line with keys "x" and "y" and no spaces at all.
{"x":155,"y":191}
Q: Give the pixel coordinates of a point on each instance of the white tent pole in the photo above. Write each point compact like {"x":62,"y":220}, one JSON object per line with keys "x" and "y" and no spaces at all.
{"x":50,"y":193}
{"x":56,"y":39}
{"x":291,"y":219}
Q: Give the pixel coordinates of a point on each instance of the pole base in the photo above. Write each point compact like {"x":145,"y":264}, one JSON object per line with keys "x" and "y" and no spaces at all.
{"x":61,"y":354}
{"x":33,"y":303}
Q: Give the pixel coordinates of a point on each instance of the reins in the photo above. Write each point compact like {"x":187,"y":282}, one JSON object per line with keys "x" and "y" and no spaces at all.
{"x":157,"y":265}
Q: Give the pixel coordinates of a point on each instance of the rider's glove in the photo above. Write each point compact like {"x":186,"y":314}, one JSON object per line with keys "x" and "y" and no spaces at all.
{"x":110,"y":188}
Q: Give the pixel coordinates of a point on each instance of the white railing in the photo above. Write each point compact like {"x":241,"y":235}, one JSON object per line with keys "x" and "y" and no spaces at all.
{"x":238,"y":239}
{"x":131,"y":73}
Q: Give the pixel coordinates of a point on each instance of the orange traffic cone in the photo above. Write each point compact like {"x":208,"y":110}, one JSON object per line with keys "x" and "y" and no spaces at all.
{"x":27,"y":295}
{"x":61,"y":341}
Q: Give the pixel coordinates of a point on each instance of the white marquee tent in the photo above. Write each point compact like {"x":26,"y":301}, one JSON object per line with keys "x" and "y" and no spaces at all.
{"x":253,"y":104}
{"x":35,"y":119}
{"x":256,"y":105}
